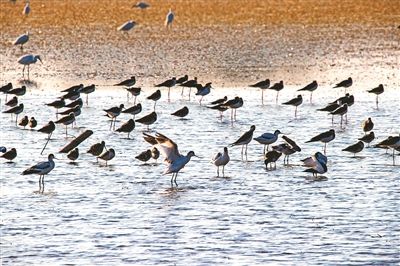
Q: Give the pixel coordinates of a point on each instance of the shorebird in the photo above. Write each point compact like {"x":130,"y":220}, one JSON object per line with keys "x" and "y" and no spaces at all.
{"x":220,"y":107}
{"x":314,"y":160}
{"x":319,"y":168}
{"x":141,"y":5}
{"x":32,"y":122}
{"x":286,"y":149}
{"x":189,"y":84}
{"x":23,"y":122}
{"x":58,"y":104}
{"x":367,"y":125}
{"x":263,"y":84}
{"x":113,"y":112}
{"x":182,"y":79}
{"x":107,"y":156}
{"x":9,"y":155}
{"x":74,"y":88}
{"x":27,"y":60}
{"x":77,"y":102}
{"x":21,"y":40}
{"x":342,"y":110}
{"x":127,"y":83}
{"x":245,"y":139}
{"x":127,"y":127}
{"x":12,"y":102}
{"x":390,"y":142}
{"x":292,"y":143}
{"x":355,"y":148}
{"x":144,"y":156}
{"x":311,"y":88}
{"x":324,"y":137}
{"x":219,"y":101}
{"x":221,"y":159}
{"x":181,"y":112}
{"x":66,"y":120}
{"x":271,"y":157}
{"x":133,"y":110}
{"x":233,"y":104}
{"x":277,"y":87}
{"x":169,"y":18}
{"x":127,"y":26}
{"x":87,"y":90}
{"x":295,"y":102}
{"x":73,"y":155}
{"x":268,"y":138}
{"x":41,"y":169}
{"x":148,"y":119}
{"x":155,"y":96}
{"x":75,"y":110}
{"x":169,"y":149}
{"x":203,"y":90}
{"x":27,"y":9}
{"x":155,"y":153}
{"x":368,"y":138}
{"x":17,"y":91}
{"x":72,"y":95}
{"x":47,"y":129}
{"x":15,"y":110}
{"x":168,"y":83}
{"x":134,"y":91}
{"x":97,"y":149}
{"x":6,"y":88}
{"x":377,"y":91}
{"x":345,"y":84}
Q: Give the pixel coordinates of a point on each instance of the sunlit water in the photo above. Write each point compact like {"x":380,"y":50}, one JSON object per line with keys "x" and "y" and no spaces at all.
{"x":127,"y":213}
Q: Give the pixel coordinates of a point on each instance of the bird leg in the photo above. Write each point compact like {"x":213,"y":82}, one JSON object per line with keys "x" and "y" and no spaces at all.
{"x":154,"y":108}
{"x":190,"y":90}
{"x":28,"y":72}
{"x":262,"y":96}
{"x":325,"y":148}
{"x":42,"y":183}
{"x":223,"y":171}
{"x":311,"y":97}
{"x":264,"y":149}
{"x":277,"y":94}
{"x":182,"y":91}
{"x":217,"y":171}
{"x":169,"y":89}
{"x":23,"y":72}
{"x":295,"y":112}
{"x":87,"y":99}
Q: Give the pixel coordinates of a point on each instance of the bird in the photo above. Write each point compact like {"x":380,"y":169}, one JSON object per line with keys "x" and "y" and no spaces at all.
{"x":286,"y":149}
{"x":141,"y":5}
{"x":324,"y":137}
{"x":245,"y":139}
{"x":15,"y":110}
{"x":203,"y":90}
{"x":27,"y":60}
{"x":221,"y":159}
{"x":342,"y":110}
{"x":182,"y":79}
{"x":27,"y":9}
{"x":168,"y":83}
{"x":66,"y":120}
{"x":192,"y":83}
{"x":312,"y":161}
{"x":127,"y":83}
{"x":97,"y":149}
{"x":345,"y":83}
{"x":58,"y":104}
{"x":263,"y":84}
{"x":144,"y":156}
{"x":74,"y":88}
{"x":41,"y":169}
{"x":48,"y":129}
{"x":133,"y":110}
{"x":127,"y":26}
{"x":113,"y":112}
{"x":127,"y":127}
{"x":134,"y":91}
{"x":367,"y":125}
{"x":234,"y":104}
{"x":6,"y":88}
{"x":220,"y":107}
{"x":295,"y":102}
{"x":87,"y":90}
{"x":3,"y":149}
{"x":9,"y":155}
{"x":184,"y":111}
{"x":277,"y":87}
{"x":390,"y":142}
{"x":219,"y":101}
{"x":169,"y":149}
{"x":292,"y":143}
{"x":77,"y":102}
{"x":73,"y":155}
{"x":12,"y":102}
{"x":148,"y":119}
{"x":319,"y":168}
{"x":32,"y":122}
{"x":17,"y":91}
{"x":155,"y":153}
{"x":311,"y":88}
{"x":355,"y":148}
{"x":107,"y":156}
{"x":169,"y":19}
{"x":377,"y":91}
{"x":368,"y":137}
{"x":21,"y":40}
{"x":271,"y":157}
{"x":155,"y":96}
{"x":268,"y":138}
{"x":76,"y":110}
{"x":23,"y":122}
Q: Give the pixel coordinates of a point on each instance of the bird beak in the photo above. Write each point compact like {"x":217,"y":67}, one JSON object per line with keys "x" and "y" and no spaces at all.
{"x":40,"y":60}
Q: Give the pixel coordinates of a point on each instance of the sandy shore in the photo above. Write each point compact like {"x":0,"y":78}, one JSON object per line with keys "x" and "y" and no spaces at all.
{"x":227,"y":42}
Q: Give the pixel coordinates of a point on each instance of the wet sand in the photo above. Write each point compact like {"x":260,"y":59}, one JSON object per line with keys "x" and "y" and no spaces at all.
{"x":228,"y":42}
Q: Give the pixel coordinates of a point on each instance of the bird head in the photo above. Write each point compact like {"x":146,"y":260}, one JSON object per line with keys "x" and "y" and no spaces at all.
{"x":38,"y":57}
{"x":253,"y":127}
{"x":277,"y":132}
{"x":225,"y":149}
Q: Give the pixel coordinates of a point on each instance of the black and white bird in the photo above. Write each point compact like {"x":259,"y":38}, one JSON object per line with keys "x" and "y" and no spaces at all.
{"x":268,"y":138}
{"x":324,"y":137}
{"x":355,"y":148}
{"x":263,"y":84}
{"x":345,"y":83}
{"x":377,"y":91}
{"x":169,"y":83}
{"x":244,"y":140}
{"x":368,"y":137}
{"x":127,"y":127}
{"x":295,"y":102}
{"x":184,"y":111}
{"x":112,"y":113}
{"x":311,"y":88}
{"x":41,"y":169}
{"x":277,"y":87}
{"x":148,"y":119}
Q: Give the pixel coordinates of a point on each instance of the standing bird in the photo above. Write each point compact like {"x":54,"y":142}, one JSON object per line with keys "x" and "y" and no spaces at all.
{"x":127,"y":26}
{"x":324,"y":137}
{"x":221,"y":159}
{"x":87,"y":90}
{"x":27,"y":9}
{"x":66,"y":120}
{"x":144,"y":156}
{"x":233,"y":104}
{"x":203,"y":91}
{"x":367,"y":125}
{"x":58,"y":104}
{"x":189,"y":84}
{"x":277,"y":87}
{"x":271,"y":157}
{"x":9,"y":155}
{"x":345,"y":84}
{"x":155,"y":97}
{"x":107,"y":156}
{"x":32,"y":122}
{"x":286,"y":149}
{"x":127,"y":127}
{"x":245,"y":139}
{"x":263,"y":84}
{"x":342,"y":110}
{"x":268,"y":138}
{"x":390,"y":142}
{"x":155,"y":153}
{"x":18,"y":91}
{"x":27,"y":60}
{"x":23,"y":122}
{"x":295,"y":102}
{"x":169,"y":149}
{"x":97,"y":149}
{"x":169,"y":19}
{"x":134,"y":91}
{"x":182,"y":79}
{"x":148,"y":119}
{"x":368,"y":137}
{"x":12,"y":102}
{"x":168,"y":83}
{"x":6,"y":88}
{"x":15,"y":110}
{"x":133,"y":110}
{"x":219,"y":101}
{"x":21,"y":40}
{"x":377,"y":91}
{"x":311,"y":88}
{"x":181,"y":112}
{"x":47,"y":129}
{"x":355,"y":148}
{"x":113,"y":112}
{"x":41,"y":169}
{"x":73,"y":155}
{"x":127,"y":83}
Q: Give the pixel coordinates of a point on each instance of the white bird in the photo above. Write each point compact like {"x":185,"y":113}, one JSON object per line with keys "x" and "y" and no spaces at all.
{"x":21,"y":40}
{"x":174,"y":160}
{"x":127,"y":26}
{"x":41,"y":169}
{"x":268,"y":138}
{"x":27,"y":9}
{"x":169,"y":18}
{"x":221,"y":159}
{"x":28,"y":59}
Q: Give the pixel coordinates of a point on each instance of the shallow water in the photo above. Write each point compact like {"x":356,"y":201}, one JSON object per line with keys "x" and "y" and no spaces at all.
{"x":127,"y":212}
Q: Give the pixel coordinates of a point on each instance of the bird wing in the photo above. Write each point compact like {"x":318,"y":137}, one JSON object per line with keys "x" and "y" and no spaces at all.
{"x":292,"y":143}
{"x":37,"y":168}
{"x":167,"y":147}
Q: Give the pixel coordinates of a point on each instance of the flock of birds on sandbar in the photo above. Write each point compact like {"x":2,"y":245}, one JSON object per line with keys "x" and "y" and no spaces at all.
{"x":70,"y":104}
